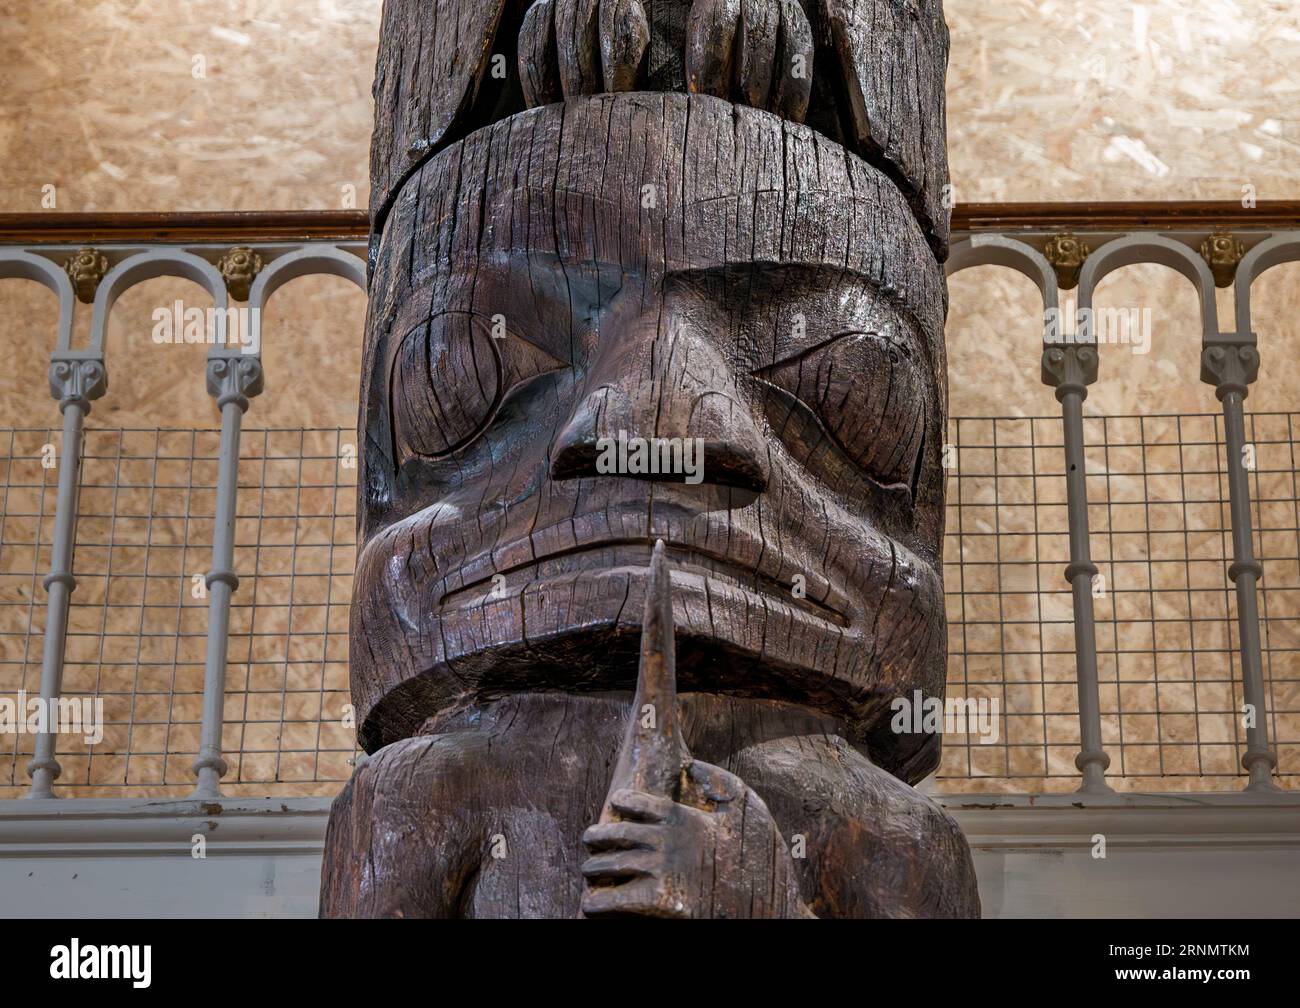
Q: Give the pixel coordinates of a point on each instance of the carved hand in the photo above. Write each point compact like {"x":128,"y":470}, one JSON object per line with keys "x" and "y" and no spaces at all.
{"x":713,"y":852}
{"x":679,"y":837}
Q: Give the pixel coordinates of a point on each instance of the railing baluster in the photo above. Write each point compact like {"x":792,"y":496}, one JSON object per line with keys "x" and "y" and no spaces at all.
{"x":74,"y":382}
{"x":1231,"y":365}
{"x":232,"y":380}
{"x":1070,"y":369}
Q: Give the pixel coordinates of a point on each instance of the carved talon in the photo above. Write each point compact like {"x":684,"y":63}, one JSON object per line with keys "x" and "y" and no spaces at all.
{"x":759,"y":52}
{"x":569,"y":48}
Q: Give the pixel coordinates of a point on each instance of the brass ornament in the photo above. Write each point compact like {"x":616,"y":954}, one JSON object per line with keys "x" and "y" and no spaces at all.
{"x":86,"y":269}
{"x":239,"y":268}
{"x":1223,"y":252}
{"x":1067,"y":253}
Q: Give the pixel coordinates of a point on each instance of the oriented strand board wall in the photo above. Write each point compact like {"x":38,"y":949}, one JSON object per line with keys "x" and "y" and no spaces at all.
{"x":265,"y":104}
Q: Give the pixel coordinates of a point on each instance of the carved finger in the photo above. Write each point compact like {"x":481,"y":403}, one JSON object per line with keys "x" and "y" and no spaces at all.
{"x":710,"y":38}
{"x":793,"y":65}
{"x":640,"y":806}
{"x":756,"y":50}
{"x":624,"y":38}
{"x":577,"y":44}
{"x":620,"y":866}
{"x":640,"y":897}
{"x":539,"y":70}
{"x":622,"y":836}
{"x":708,"y":786}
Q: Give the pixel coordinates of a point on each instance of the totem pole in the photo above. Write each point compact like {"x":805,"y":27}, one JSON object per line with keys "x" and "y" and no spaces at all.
{"x":651,"y":506}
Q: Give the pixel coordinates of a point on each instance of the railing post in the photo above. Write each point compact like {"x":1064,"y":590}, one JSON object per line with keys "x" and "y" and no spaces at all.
{"x":232,"y":379}
{"x":1070,"y":369}
{"x":1231,"y":364}
{"x":74,"y":382}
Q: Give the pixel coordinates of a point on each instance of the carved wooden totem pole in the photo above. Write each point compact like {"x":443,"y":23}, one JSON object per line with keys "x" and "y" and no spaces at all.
{"x":651,"y":271}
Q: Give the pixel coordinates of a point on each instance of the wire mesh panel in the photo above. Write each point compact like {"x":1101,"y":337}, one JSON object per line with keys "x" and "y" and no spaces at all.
{"x":29,"y":486}
{"x":1167,"y":637}
{"x":1166,"y":611}
{"x":287,"y":698}
{"x":137,"y":624}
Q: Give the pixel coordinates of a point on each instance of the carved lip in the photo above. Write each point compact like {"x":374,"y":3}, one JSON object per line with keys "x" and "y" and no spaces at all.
{"x":682,"y":558}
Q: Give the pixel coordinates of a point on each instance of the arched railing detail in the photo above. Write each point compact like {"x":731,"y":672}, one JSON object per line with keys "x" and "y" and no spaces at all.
{"x":147,"y":266}
{"x":1135,"y":249}
{"x":17,"y":264}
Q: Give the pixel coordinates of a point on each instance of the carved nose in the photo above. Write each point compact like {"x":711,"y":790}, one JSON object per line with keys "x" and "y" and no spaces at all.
{"x":688,"y":435}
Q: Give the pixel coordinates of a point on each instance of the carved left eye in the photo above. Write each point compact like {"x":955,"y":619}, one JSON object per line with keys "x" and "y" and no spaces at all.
{"x":870,"y":394}
{"x":449,"y":377}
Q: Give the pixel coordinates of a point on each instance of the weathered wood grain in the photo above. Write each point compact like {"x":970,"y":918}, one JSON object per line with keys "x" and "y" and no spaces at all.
{"x":483,"y":815}
{"x":867,"y":73}
{"x":770,"y":256}
{"x":697,"y":280}
{"x":890,"y":58}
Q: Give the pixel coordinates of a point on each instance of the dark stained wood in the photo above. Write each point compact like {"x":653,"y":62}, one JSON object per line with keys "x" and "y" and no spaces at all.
{"x":650,"y":268}
{"x":818,"y":249}
{"x":677,"y":837}
{"x":677,"y":834}
{"x":238,"y":228}
{"x":888,"y":60}
{"x":874,"y":69}
{"x":669,"y":267}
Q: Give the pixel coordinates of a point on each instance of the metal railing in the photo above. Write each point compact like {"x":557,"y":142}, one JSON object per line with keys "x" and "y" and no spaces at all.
{"x":1169,"y":676}
{"x":1106,"y":717}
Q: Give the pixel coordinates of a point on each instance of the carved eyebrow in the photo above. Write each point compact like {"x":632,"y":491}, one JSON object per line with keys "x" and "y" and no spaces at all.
{"x":728,"y":270}
{"x":800,"y":352}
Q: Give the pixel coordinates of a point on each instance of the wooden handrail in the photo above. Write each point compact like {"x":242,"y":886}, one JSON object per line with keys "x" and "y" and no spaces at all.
{"x":184,"y":228}
{"x":353,"y":225}
{"x":1229,"y":215}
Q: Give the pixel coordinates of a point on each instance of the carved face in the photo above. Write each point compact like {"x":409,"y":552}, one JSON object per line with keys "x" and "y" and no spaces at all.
{"x":743,"y":285}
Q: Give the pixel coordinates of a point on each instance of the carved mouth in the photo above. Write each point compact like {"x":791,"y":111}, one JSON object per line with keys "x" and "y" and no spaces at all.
{"x":686,"y":562}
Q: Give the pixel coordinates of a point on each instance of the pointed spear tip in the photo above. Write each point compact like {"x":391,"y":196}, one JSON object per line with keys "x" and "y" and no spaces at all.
{"x":657,"y":627}
{"x":653,"y":751}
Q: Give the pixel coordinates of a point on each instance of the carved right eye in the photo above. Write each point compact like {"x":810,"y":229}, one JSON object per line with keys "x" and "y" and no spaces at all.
{"x":448,"y":378}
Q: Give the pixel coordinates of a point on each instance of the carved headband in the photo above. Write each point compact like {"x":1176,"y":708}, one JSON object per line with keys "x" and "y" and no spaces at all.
{"x":861,"y":72}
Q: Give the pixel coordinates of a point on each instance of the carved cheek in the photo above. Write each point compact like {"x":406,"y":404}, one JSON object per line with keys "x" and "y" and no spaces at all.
{"x":445,"y":384}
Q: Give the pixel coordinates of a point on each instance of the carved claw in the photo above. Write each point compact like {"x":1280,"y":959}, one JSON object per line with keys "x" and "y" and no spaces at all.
{"x":624,"y":38}
{"x":759,"y":52}
{"x":539,"y":69}
{"x":569,"y":48}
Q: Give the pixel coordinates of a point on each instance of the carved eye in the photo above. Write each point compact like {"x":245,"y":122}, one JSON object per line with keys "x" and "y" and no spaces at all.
{"x":871,"y":396}
{"x":449,"y":377}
